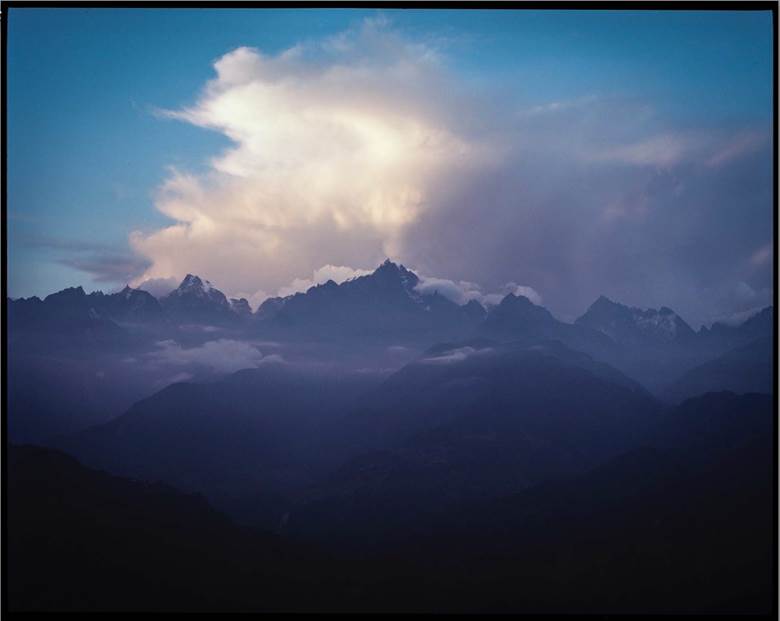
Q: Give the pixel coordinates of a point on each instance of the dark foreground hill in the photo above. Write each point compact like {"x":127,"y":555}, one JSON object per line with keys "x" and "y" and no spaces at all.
{"x":256,"y":429}
{"x":80,"y":539}
{"x":683,"y":526}
{"x":471,"y":421}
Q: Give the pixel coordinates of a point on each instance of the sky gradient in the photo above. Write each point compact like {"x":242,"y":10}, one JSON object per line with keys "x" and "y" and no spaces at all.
{"x":566,"y":154}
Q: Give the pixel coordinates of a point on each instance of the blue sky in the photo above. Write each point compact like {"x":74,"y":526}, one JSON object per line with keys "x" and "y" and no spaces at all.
{"x":87,"y":152}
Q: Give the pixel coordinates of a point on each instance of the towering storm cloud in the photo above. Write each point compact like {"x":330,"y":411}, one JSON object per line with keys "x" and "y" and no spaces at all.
{"x":337,"y":148}
{"x":370,"y":144}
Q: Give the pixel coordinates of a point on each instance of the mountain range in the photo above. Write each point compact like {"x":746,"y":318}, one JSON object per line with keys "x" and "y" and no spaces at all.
{"x":383,"y":309}
{"x":383,"y":304}
{"x":367,"y":446}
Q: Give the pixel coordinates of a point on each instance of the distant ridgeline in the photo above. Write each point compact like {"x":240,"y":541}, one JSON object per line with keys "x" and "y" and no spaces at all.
{"x":386,"y":308}
{"x":371,"y":306}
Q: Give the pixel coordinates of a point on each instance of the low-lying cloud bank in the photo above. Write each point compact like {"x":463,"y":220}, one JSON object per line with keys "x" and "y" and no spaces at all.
{"x":219,"y":356}
{"x":368,"y":144}
{"x":454,"y":356}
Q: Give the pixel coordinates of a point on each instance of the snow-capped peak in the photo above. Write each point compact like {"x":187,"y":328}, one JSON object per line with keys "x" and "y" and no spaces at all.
{"x":630,"y":324}
{"x":199,"y":291}
{"x":191,"y":282}
{"x":195,"y":285}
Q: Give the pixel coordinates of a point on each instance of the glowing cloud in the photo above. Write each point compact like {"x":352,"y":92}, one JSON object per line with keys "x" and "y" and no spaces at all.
{"x":334,"y":147}
{"x":366,"y":145}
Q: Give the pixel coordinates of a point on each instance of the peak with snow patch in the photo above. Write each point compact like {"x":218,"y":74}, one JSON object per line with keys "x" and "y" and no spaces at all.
{"x":197,"y":300}
{"x":630,"y":325}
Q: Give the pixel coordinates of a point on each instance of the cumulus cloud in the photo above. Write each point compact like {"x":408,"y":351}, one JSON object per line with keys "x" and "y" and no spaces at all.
{"x":367,"y":144}
{"x":459,"y":292}
{"x":334,"y":145}
{"x":221,"y":356}
{"x":453,"y":356}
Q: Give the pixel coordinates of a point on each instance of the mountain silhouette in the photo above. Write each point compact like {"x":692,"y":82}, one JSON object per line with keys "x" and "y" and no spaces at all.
{"x":632,"y":326}
{"x":83,"y":540}
{"x":382,"y":306}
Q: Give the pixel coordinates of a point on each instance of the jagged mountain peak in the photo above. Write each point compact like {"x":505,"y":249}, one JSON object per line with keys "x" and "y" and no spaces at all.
{"x":391,"y":271}
{"x":510,"y":299}
{"x":129,"y":293}
{"x":193,"y":284}
{"x":191,"y":281}
{"x":604,"y":302}
{"x":69,"y":293}
{"x":382,"y":304}
{"x":196,"y":299}
{"x":628,"y":324}
{"x":516,"y":316}
{"x":518,"y":307}
{"x":475,"y":310}
{"x":240,"y":306}
{"x":388,"y":264}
